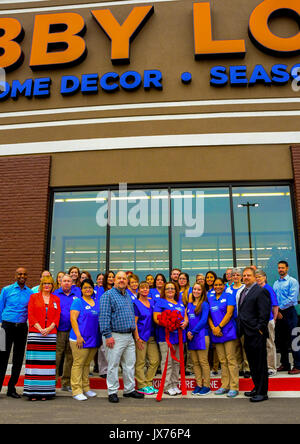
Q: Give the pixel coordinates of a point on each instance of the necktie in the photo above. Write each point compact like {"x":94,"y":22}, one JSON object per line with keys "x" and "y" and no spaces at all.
{"x":243,"y":295}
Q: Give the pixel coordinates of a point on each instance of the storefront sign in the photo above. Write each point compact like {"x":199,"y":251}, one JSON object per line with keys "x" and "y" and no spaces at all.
{"x":58,"y":43}
{"x":111,"y":82}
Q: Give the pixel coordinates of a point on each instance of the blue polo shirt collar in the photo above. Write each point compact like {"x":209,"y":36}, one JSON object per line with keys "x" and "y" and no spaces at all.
{"x":16,"y":285}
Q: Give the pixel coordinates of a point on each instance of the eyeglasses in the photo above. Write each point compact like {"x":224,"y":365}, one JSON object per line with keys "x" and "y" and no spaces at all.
{"x":170,"y":288}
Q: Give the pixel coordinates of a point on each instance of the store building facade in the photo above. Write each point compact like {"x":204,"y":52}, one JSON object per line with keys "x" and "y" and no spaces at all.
{"x":149,"y":135}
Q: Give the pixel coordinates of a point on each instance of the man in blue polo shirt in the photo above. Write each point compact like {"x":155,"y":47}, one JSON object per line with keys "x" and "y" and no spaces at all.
{"x":14,"y":301}
{"x":287,"y":292}
{"x":66,"y":294}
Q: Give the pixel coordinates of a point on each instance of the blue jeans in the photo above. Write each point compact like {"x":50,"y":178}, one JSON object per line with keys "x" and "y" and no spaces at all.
{"x":285,"y":329}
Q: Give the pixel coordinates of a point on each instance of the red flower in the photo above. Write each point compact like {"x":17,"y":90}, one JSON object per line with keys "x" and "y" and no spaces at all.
{"x":169,"y":319}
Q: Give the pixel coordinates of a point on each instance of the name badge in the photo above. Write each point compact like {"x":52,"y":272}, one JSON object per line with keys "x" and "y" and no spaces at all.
{"x":223,"y":300}
{"x":55,"y":305}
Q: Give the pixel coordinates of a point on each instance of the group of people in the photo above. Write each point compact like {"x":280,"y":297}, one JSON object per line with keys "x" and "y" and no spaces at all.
{"x":227,"y":322}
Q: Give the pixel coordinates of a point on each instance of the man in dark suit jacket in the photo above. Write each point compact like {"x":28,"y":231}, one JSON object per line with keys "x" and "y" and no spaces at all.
{"x":254,"y":309}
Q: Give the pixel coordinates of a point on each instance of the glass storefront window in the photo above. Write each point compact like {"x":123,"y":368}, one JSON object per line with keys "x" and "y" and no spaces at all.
{"x":139,"y":232}
{"x":207,"y":244}
{"x":264,"y":229}
{"x":77,"y":239}
{"x":153,"y":230}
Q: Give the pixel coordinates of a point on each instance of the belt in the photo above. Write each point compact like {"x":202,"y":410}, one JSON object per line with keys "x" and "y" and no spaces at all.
{"x":123,"y":332}
{"x":14,"y":324}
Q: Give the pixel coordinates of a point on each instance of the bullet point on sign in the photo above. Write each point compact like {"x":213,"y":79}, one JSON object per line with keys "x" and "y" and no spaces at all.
{"x":186,"y":77}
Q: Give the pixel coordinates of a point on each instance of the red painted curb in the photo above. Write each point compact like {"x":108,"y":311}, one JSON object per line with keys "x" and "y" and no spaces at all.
{"x":288,"y":384}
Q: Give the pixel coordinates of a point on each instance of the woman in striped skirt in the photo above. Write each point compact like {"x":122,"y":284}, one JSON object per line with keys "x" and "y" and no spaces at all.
{"x":43,"y":319}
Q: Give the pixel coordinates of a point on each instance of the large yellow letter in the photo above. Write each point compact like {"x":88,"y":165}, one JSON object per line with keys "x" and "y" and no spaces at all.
{"x":205,"y":46}
{"x":261,"y":34}
{"x":11,"y":55}
{"x":57,"y":41}
{"x":122,"y":35}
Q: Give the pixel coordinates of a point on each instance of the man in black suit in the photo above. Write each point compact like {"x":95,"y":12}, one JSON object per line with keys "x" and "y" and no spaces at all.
{"x":254,"y":309}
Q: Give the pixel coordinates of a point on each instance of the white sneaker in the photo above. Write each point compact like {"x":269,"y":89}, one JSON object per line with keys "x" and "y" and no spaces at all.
{"x":90,"y":394}
{"x":80,"y":397}
{"x":177,"y":390}
{"x":171,"y":392}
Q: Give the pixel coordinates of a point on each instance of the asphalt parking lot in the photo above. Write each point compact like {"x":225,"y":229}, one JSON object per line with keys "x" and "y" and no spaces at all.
{"x":178,"y":411}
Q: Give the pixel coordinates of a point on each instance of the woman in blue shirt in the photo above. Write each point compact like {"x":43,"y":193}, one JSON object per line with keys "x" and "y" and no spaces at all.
{"x":224,"y":335}
{"x":146,"y":345}
{"x":150,"y":280}
{"x":185,"y":290}
{"x":169,"y":300}
{"x":133,"y":285}
{"x":198,"y":338}
{"x":158,"y":286}
{"x":209,"y":279}
{"x":84,"y":339}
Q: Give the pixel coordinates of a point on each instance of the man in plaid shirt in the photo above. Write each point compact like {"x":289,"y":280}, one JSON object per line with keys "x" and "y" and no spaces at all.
{"x":117,"y":324}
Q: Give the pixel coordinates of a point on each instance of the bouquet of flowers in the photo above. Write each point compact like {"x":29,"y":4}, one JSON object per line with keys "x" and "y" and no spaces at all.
{"x":172,"y":320}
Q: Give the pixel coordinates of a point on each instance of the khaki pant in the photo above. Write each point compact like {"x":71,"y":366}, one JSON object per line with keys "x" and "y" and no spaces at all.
{"x":241,"y":355}
{"x":201,"y":365}
{"x":82,"y":358}
{"x":229,"y":366}
{"x":271,"y":348}
{"x":213,"y":359}
{"x":63,"y":349}
{"x":150,"y":353}
{"x":173,"y":369}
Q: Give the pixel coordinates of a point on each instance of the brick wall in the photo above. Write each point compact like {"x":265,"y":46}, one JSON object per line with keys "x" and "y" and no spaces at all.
{"x":24,"y":197}
{"x":295,"y":154}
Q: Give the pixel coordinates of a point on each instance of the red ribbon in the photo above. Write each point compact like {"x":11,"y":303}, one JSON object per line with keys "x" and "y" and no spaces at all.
{"x":171,"y":320}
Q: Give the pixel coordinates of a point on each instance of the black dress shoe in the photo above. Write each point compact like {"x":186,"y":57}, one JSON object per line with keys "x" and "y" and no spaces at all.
{"x":113,"y":398}
{"x":103,"y":376}
{"x":283,"y":368}
{"x":259,"y":398}
{"x":247,"y":375}
{"x":14,"y":395}
{"x":250,"y":394}
{"x":134,"y":394}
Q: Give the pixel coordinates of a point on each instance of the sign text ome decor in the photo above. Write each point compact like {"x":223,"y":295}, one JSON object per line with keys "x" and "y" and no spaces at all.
{"x":58,"y":42}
